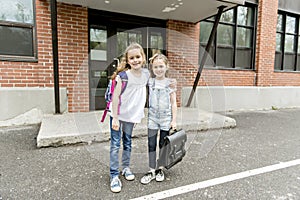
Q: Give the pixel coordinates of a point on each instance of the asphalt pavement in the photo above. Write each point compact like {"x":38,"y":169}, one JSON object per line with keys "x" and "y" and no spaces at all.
{"x":260,"y":139}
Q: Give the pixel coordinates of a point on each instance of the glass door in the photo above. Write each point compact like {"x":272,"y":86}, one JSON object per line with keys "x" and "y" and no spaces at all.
{"x":108,"y":40}
{"x":98,"y":66}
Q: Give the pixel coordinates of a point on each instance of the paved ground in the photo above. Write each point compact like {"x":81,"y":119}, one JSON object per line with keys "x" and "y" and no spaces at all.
{"x":261,"y":139}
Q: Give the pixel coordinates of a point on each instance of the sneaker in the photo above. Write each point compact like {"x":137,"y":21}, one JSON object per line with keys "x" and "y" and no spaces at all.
{"x":115,"y":185}
{"x":159,"y":175}
{"x":129,"y":176}
{"x":148,"y":177}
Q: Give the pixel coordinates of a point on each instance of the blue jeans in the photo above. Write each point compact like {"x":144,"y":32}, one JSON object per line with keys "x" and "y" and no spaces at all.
{"x":125,"y":132}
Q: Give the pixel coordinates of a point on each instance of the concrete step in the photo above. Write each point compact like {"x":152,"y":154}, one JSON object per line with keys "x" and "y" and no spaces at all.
{"x":72,"y":128}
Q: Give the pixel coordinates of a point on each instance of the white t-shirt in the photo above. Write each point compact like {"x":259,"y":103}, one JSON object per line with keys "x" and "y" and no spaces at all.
{"x":133,"y":99}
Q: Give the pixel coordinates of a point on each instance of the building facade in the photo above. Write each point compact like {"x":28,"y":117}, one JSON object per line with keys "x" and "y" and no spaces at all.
{"x":254,"y":55}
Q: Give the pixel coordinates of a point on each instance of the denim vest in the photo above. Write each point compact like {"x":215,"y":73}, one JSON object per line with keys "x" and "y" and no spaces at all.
{"x":160,"y":112}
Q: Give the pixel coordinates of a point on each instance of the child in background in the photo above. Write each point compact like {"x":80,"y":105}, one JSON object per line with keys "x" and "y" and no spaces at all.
{"x":122,"y":66}
{"x":131,"y":111}
{"x":162,"y":113}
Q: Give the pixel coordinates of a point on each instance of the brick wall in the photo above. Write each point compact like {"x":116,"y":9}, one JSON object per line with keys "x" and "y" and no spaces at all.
{"x":182,"y":51}
{"x":266,"y":41}
{"x":182,"y":45}
{"x":265,"y":48}
{"x":228,"y":77}
{"x":73,"y":56}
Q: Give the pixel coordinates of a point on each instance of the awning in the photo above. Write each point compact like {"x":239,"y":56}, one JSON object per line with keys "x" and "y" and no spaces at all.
{"x":183,"y":10}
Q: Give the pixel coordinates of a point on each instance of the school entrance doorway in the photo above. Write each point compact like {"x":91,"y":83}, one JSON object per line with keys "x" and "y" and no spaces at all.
{"x":109,"y":35}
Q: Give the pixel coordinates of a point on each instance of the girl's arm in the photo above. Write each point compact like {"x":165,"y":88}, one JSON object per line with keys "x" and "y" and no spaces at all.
{"x":115,"y":104}
{"x":173,"y":84}
{"x":174,"y":109}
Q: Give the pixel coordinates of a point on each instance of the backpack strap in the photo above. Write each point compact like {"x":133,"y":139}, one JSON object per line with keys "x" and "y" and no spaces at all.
{"x":124,"y":79}
{"x":113,"y":84}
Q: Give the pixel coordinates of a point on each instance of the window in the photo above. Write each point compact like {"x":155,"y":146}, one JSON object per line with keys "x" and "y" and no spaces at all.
{"x":287,"y":55}
{"x":98,"y":43}
{"x":126,"y":37}
{"x":17,"y":30}
{"x":234,"y":42}
{"x":156,"y":43}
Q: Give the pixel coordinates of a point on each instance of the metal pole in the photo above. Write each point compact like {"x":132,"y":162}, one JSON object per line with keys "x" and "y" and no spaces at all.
{"x":203,"y":60}
{"x":53,"y":8}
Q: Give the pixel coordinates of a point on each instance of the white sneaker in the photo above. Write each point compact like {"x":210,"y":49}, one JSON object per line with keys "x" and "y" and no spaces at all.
{"x":129,"y":176}
{"x":115,"y":185}
{"x":159,"y":175}
{"x":148,"y":177}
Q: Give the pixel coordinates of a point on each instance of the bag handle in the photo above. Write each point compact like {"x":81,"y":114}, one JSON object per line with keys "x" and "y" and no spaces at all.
{"x":173,"y":130}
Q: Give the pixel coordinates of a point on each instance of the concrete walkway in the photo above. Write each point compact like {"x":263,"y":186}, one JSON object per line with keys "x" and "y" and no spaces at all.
{"x":72,"y":128}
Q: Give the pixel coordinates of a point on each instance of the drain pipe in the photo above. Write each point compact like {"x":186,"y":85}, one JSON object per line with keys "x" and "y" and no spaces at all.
{"x":53,"y":7}
{"x":203,"y":60}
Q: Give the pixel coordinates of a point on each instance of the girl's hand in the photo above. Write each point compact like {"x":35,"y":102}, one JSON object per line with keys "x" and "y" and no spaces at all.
{"x":173,"y":125}
{"x":115,"y":124}
{"x":173,"y":83}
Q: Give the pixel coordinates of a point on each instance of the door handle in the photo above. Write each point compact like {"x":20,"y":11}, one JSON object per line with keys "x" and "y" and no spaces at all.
{"x":118,"y":62}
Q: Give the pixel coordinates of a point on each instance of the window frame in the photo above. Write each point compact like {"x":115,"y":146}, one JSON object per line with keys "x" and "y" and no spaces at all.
{"x":283,"y":33}
{"x":235,"y":26}
{"x":32,"y":26}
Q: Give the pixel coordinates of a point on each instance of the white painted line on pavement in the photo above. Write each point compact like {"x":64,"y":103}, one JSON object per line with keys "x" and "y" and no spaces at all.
{"x":217,"y":181}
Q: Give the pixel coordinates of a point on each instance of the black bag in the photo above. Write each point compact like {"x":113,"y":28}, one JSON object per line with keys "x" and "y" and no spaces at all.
{"x":173,"y":149}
